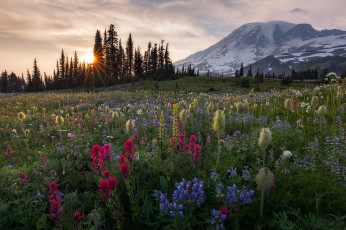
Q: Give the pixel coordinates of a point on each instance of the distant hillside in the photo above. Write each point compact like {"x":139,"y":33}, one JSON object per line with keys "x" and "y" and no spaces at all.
{"x":272,"y":64}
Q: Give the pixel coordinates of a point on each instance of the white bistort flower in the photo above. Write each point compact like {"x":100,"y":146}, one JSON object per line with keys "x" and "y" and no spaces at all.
{"x":287,"y":154}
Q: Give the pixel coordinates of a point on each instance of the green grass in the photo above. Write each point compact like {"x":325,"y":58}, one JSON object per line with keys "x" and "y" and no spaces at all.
{"x":204,"y":84}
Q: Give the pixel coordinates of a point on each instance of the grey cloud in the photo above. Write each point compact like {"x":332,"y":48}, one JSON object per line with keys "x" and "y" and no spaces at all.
{"x":298,"y":10}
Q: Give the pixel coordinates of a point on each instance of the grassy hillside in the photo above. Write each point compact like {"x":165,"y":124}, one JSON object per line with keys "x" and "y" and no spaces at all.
{"x":202,"y":83}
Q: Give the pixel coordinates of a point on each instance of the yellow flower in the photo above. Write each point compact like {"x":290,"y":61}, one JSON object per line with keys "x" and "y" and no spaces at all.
{"x":59,"y":120}
{"x":183,"y":116}
{"x":130,"y":128}
{"x":154,"y":141}
{"x":21,"y":116}
{"x":26,"y":132}
{"x":210,"y":108}
{"x":219,"y":122}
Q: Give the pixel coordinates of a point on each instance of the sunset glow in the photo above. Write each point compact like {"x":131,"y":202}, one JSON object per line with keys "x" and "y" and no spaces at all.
{"x":88,"y":57}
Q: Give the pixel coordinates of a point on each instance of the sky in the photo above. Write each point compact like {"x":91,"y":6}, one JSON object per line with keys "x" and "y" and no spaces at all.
{"x":42,"y":28}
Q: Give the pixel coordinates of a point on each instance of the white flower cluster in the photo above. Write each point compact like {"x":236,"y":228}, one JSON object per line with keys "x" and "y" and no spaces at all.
{"x":286,"y":154}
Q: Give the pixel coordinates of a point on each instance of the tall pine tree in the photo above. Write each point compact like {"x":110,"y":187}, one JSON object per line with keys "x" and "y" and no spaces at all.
{"x":129,"y":57}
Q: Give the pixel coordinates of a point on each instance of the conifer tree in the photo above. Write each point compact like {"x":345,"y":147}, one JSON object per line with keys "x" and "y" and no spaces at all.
{"x":129,"y":57}
{"x":153,"y":61}
{"x":112,"y":48}
{"x":98,"y":60}
{"x":30,"y":86}
{"x":75,"y":76}
{"x":138,"y":64}
{"x":62,"y":70}
{"x":121,"y":62}
{"x":67,"y":77}
{"x":249,"y":72}
{"x":147,"y":58}
{"x":241,"y":71}
{"x":36,"y":78}
{"x":4,"y":82}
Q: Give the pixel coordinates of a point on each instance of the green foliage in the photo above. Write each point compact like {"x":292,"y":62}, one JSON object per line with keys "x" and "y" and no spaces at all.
{"x":286,"y":81}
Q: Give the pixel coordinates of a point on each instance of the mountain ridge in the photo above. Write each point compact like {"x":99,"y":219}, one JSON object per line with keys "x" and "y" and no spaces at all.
{"x":252,"y":42}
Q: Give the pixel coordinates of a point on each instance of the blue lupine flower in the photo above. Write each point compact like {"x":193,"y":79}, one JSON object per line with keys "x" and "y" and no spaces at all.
{"x":232,"y":171}
{"x":245,"y":173}
{"x":219,"y":188}
{"x":185,"y":191}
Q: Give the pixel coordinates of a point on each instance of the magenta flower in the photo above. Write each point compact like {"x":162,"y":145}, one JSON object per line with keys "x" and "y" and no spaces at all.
{"x":181,"y":143}
{"x":129,"y":150}
{"x":9,"y":151}
{"x":99,"y":155}
{"x":172,"y":143}
{"x":180,"y":126}
{"x":77,"y":219}
{"x":107,"y":187}
{"x":125,"y":170}
{"x":106,"y":173}
{"x":24,"y":179}
{"x":55,"y":203}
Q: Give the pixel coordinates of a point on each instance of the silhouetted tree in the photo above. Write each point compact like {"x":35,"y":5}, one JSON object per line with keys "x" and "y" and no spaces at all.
{"x":129,"y":57}
{"x":138,"y":64}
{"x":241,"y":71}
{"x":111,"y":53}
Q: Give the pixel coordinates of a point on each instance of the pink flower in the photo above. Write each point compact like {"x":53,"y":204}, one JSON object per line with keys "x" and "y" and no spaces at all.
{"x":197,"y":154}
{"x":53,"y":186}
{"x":77,"y":218}
{"x":129,"y":150}
{"x":55,"y":202}
{"x":181,"y":142}
{"x":125,"y":170}
{"x":107,"y":187}
{"x":180,"y":127}
{"x":24,"y":179}
{"x":172,"y":143}
{"x":99,"y":155}
{"x":9,"y":151}
{"x":224,"y":210}
{"x":135,"y":137}
{"x":112,"y":182}
{"x":106,"y":173}
{"x":143,"y":140}
{"x":108,"y":119}
{"x":187,"y":147}
{"x":193,"y":139}
{"x":122,"y":158}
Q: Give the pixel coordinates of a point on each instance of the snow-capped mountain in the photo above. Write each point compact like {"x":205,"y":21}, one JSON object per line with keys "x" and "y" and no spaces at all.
{"x":252,"y":42}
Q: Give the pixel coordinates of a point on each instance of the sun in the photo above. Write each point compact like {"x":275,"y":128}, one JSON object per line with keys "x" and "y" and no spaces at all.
{"x":89,"y":57}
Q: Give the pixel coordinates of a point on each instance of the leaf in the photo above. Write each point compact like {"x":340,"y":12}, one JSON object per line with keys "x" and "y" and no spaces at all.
{"x":4,"y":207}
{"x":164,"y":184}
{"x":41,"y":223}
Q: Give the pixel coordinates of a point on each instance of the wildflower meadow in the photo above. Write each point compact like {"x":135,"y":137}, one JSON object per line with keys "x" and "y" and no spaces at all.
{"x":174,"y":160}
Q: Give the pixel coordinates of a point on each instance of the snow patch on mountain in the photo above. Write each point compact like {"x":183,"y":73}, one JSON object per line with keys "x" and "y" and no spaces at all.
{"x":255,"y":41}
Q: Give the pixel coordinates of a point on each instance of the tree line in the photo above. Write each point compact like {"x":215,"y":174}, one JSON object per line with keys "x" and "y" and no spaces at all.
{"x":114,"y":63}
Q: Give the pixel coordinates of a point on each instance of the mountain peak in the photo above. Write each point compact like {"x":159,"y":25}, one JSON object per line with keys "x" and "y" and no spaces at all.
{"x":254,"y":41}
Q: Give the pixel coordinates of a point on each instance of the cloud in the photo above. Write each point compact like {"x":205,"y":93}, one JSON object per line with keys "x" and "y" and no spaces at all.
{"x":41,"y":28}
{"x":298,"y":10}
